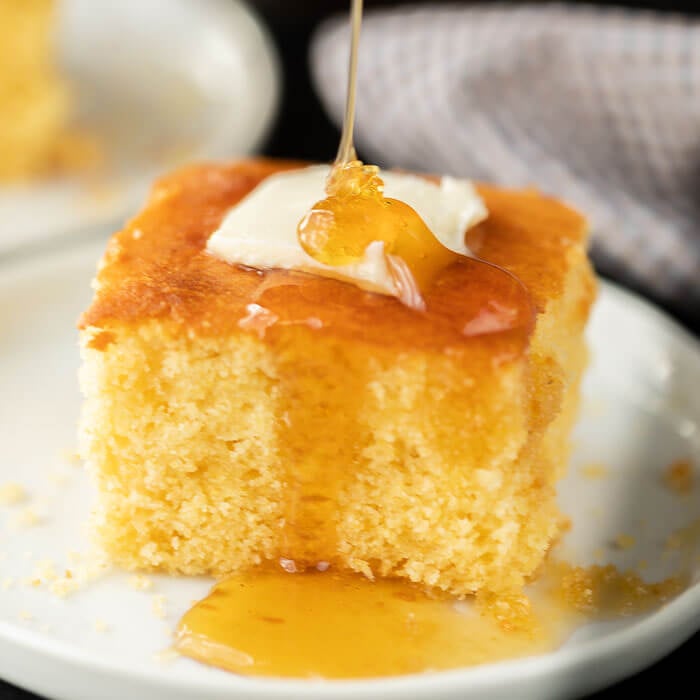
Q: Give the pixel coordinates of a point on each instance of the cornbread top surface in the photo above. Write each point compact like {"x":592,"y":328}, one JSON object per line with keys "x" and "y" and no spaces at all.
{"x":157,"y":267}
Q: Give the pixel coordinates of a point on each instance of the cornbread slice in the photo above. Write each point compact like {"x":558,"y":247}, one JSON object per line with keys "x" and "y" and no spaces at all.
{"x":34,"y":100}
{"x":234,"y":417}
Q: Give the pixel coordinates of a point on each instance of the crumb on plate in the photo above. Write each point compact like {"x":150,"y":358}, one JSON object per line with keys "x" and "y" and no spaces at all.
{"x":26,"y":518}
{"x":140,"y":583}
{"x":101,"y":627}
{"x":158,"y":605}
{"x":623,"y":541}
{"x":678,"y":476}
{"x":12,"y":493}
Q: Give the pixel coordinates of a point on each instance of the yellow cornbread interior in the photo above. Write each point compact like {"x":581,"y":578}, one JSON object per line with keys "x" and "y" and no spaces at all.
{"x":423,"y":465}
{"x":34,"y":101}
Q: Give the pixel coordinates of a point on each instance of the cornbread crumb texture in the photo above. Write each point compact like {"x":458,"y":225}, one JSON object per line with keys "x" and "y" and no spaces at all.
{"x":230,"y":507}
{"x":679,"y":477}
{"x":430,"y":456}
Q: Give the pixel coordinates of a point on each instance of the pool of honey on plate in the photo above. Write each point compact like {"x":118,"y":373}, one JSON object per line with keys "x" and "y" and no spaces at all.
{"x":336,"y":625}
{"x":326,"y":624}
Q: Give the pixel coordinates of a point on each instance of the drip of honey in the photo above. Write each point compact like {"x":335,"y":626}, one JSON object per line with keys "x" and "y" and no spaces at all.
{"x":338,"y":229}
{"x":331,"y":625}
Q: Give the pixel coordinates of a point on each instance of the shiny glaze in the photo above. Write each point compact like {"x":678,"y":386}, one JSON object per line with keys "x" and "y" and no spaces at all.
{"x":157,"y":268}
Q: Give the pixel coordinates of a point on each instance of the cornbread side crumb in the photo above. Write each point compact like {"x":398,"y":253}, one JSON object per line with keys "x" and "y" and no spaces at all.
{"x":607,"y":591}
{"x":158,"y":605}
{"x":12,"y":493}
{"x":140,"y":583}
{"x":679,"y":477}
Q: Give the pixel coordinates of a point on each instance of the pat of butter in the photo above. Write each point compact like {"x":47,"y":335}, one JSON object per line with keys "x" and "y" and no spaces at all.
{"x":261,"y":230}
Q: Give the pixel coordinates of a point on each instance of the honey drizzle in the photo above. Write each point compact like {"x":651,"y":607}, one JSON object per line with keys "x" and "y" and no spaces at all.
{"x":346,"y":149}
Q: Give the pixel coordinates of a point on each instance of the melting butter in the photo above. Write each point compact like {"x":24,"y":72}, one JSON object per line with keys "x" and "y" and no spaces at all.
{"x":261,"y":230}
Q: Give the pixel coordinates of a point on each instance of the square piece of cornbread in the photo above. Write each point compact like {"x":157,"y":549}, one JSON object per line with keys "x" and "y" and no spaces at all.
{"x":235,"y":417}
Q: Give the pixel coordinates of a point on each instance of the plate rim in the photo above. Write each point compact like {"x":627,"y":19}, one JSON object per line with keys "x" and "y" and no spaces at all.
{"x":627,"y":648}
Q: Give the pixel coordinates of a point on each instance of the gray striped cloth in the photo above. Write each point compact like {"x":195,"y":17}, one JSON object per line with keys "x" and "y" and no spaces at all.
{"x":600,"y":107}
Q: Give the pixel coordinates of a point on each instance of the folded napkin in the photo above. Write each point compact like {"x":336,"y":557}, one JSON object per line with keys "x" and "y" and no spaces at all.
{"x":600,"y":107}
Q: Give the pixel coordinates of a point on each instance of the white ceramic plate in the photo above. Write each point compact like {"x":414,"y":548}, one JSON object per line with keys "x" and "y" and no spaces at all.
{"x":642,"y":410}
{"x":158,"y":82}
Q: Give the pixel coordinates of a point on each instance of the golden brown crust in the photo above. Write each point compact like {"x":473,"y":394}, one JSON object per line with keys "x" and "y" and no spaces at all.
{"x":157,"y":267}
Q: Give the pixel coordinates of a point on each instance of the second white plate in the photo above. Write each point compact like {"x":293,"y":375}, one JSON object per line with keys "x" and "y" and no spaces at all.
{"x":158,"y":83}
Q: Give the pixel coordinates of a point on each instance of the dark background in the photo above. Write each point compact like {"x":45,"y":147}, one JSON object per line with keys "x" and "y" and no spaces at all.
{"x":303,"y":131}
